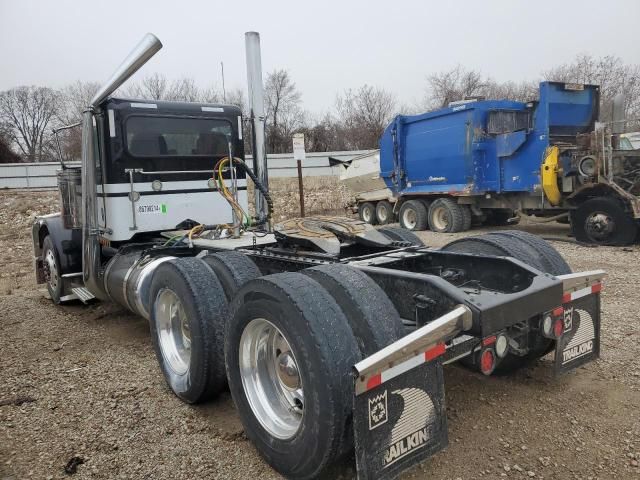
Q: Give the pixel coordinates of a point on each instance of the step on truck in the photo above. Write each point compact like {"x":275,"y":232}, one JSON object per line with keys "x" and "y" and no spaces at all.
{"x":330,"y":335}
{"x":491,"y":161}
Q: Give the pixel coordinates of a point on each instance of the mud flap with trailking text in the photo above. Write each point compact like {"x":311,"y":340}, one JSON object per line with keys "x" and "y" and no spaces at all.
{"x":400,"y":419}
{"x":580,"y":340}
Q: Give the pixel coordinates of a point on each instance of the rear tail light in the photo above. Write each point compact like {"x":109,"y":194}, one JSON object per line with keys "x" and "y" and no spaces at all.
{"x":558,"y":328}
{"x":552,"y":324}
{"x":502,"y":346}
{"x":487,"y":361}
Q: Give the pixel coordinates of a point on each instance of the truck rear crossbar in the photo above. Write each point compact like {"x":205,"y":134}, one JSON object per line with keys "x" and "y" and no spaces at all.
{"x":399,"y":416}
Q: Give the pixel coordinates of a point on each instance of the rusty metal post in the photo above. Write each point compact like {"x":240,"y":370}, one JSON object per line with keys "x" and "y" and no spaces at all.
{"x":300,"y":188}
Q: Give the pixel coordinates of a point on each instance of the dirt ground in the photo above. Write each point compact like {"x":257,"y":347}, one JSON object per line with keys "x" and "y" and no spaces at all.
{"x":82,"y":381}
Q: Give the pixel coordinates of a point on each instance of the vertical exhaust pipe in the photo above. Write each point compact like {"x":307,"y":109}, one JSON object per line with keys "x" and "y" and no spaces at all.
{"x":91,"y":255}
{"x":257,"y":117}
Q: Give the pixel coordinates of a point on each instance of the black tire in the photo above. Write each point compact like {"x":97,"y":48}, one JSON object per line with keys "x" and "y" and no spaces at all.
{"x":202,"y":298}
{"x":550,"y":258}
{"x":413,"y":215}
{"x":466,"y":217}
{"x":325,"y":349}
{"x":53,"y":273}
{"x":233,"y":269}
{"x":401,"y":235}
{"x":529,"y":249}
{"x":499,"y":217}
{"x":487,"y":244}
{"x":623,"y":228}
{"x":374,"y":321}
{"x":446,"y":216}
{"x":384,"y":212}
{"x":367,"y":213}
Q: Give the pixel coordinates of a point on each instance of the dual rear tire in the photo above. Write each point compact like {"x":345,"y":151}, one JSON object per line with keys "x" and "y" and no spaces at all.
{"x":285,"y":343}
{"x":378,"y":213}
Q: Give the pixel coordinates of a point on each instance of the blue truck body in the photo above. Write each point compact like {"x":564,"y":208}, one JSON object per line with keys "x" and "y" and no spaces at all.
{"x":481,"y":147}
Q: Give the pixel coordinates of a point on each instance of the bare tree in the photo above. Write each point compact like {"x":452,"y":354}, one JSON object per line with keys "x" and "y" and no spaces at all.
{"x":460,"y":83}
{"x":6,"y":154}
{"x":364,"y":113}
{"x":75,"y":98}
{"x":27,"y":113}
{"x":151,"y":87}
{"x":282,"y":100}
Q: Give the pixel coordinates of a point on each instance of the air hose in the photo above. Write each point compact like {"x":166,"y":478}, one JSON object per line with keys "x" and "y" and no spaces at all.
{"x":260,"y":187}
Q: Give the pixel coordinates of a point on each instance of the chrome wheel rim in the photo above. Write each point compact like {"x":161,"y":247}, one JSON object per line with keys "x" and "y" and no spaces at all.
{"x":439,"y":218}
{"x":600,"y":226}
{"x":367,"y":214}
{"x":50,"y":270}
{"x":410,"y":218}
{"x":174,"y":332}
{"x":271,"y":378}
{"x":382,"y":214}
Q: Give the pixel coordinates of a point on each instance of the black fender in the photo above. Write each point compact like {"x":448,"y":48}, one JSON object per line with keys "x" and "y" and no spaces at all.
{"x":67,"y":241}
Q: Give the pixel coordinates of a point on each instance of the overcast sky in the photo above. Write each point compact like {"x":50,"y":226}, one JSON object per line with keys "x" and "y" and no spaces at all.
{"x":326,"y":45}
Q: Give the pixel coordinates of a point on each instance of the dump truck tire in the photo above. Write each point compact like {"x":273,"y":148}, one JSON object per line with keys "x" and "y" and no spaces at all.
{"x":384,"y":212}
{"x":603,"y":221}
{"x":550,"y":258}
{"x":53,"y":271}
{"x":367,"y":213}
{"x":414,"y":215}
{"x":446,"y":216}
{"x":401,"y":235}
{"x":188,"y":312}
{"x":233,"y":269}
{"x":529,"y":249}
{"x":373,"y":319}
{"x":300,"y":421}
{"x":466,"y":217}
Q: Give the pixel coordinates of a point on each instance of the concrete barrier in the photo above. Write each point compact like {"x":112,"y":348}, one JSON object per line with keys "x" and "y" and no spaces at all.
{"x":43,"y":175}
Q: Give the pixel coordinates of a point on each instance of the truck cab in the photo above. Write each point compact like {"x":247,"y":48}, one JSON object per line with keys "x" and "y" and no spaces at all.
{"x":154,"y":168}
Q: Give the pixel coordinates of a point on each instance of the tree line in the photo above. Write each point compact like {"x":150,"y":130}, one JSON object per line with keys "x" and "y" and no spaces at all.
{"x":356,"y":120}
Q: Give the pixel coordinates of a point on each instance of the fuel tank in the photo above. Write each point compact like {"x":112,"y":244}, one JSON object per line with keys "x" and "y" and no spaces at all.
{"x":127,"y":279}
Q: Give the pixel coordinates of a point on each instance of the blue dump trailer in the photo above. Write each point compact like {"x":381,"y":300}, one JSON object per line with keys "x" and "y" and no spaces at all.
{"x":490,"y":161}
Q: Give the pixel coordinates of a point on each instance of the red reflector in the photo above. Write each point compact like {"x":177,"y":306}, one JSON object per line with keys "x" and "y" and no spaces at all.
{"x":434,"y":352}
{"x":558,"y":328}
{"x":596,"y":288}
{"x":374,"y":381}
{"x":487,"y":361}
{"x":558,"y":312}
{"x":489,"y":341}
{"x":566,"y":298}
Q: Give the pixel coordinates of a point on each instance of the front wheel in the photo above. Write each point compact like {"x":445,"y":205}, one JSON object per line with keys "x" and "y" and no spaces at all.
{"x":52,"y":271}
{"x":603,"y":221}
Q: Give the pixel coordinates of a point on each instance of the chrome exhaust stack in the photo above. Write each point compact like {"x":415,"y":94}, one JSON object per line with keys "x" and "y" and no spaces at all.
{"x":147,"y":48}
{"x":257,"y":118}
{"x":91,"y":259}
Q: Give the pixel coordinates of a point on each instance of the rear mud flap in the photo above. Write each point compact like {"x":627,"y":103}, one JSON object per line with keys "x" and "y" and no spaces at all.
{"x":580,"y":341}
{"x":401,"y":421}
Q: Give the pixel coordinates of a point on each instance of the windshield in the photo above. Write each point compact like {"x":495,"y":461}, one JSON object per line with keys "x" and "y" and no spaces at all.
{"x":177,"y":136}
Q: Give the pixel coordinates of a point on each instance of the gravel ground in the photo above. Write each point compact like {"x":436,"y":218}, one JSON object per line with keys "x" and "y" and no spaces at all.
{"x":82,"y":381}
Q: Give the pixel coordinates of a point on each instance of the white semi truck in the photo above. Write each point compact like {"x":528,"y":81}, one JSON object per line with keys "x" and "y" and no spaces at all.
{"x":330,"y":335}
